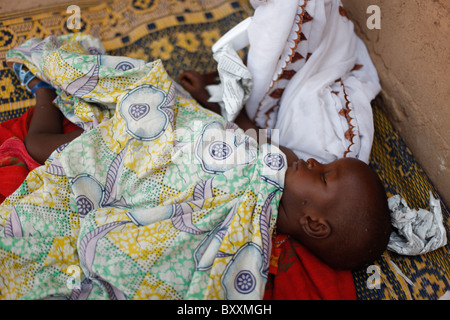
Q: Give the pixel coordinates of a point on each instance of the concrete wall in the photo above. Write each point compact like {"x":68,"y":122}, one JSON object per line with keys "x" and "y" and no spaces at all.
{"x":411,"y":51}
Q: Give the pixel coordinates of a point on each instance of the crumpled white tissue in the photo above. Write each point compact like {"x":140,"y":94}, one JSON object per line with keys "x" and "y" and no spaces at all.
{"x":416,"y":231}
{"x":235,"y":84}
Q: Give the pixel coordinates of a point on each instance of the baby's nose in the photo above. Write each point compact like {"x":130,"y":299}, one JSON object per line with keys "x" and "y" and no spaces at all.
{"x":312,"y":163}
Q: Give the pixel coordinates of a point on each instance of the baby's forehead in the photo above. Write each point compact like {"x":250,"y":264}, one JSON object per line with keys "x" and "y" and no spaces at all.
{"x":355,"y":178}
{"x":357,"y":169}
{"x":350,"y":177}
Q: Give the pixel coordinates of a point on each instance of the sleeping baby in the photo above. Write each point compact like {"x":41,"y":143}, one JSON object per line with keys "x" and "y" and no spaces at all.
{"x":146,"y":203}
{"x":338,"y":210}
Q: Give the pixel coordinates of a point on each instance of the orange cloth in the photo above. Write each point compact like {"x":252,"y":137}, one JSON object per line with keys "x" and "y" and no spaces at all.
{"x":296,"y":274}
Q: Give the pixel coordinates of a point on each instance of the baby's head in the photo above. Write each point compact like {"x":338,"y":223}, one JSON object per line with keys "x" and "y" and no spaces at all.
{"x":338,"y":211}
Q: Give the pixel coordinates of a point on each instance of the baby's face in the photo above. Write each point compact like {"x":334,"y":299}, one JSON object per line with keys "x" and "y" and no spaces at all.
{"x":319,"y":187}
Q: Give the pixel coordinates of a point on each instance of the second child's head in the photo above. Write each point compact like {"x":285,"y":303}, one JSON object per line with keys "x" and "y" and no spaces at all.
{"x":338,"y":211}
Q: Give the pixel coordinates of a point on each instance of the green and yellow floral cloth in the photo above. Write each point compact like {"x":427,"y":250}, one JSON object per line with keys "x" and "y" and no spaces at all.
{"x":159,"y":198}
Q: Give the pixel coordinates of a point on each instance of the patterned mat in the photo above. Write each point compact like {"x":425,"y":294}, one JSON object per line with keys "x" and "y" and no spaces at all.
{"x":421,"y":277}
{"x":181,"y":34}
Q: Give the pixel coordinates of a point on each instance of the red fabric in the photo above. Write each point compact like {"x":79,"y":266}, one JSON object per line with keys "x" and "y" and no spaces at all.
{"x":299,"y":275}
{"x":15,"y":162}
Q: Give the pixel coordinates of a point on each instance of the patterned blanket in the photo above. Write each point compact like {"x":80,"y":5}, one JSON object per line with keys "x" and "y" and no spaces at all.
{"x":159,"y":198}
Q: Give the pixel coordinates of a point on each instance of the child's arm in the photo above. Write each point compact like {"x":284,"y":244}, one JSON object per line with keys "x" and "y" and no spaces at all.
{"x":45,"y":133}
{"x":195,"y":84}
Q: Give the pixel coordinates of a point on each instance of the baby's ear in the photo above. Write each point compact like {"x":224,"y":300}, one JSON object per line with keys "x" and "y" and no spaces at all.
{"x":317,"y":228}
